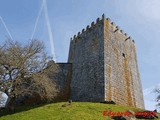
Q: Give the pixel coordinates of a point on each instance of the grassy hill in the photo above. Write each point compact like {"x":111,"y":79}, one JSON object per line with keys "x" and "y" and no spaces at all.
{"x":55,"y":111}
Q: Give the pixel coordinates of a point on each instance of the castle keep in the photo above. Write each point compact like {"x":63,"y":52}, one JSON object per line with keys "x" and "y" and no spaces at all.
{"x":103,"y":66}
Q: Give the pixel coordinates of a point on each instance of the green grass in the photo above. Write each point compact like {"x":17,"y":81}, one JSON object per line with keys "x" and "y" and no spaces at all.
{"x":55,"y":111}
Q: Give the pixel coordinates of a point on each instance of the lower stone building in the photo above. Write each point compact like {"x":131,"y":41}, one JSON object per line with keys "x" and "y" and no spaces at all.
{"x":102,"y":66}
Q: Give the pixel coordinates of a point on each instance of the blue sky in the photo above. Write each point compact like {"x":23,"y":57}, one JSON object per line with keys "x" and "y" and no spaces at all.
{"x":139,"y":18}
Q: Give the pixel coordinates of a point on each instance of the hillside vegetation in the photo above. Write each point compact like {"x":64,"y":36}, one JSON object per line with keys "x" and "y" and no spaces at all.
{"x":57,"y":111}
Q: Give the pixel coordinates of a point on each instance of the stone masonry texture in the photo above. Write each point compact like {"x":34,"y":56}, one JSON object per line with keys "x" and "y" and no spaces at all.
{"x":104,"y":66}
{"x":61,"y":74}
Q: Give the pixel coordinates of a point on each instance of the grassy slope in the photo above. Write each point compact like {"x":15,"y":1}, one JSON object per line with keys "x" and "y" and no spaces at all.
{"x":55,"y":111}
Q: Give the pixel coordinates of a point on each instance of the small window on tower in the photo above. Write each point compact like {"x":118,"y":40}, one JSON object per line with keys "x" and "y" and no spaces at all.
{"x":123,"y":55}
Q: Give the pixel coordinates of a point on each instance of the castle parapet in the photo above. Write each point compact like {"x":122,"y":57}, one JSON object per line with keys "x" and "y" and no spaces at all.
{"x":98,"y":20}
{"x":92,"y":24}
{"x":103,"y":16}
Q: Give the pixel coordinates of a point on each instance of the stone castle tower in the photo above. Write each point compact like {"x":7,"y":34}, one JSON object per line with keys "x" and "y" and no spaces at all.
{"x":104,"y":65}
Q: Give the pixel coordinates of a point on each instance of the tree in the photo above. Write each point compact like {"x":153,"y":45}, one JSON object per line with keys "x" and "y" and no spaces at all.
{"x":157,"y":90}
{"x":22,"y":71}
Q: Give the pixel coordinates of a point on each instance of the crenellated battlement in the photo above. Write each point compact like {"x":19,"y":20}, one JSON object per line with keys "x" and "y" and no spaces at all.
{"x":98,"y":21}
{"x":104,"y":65}
{"x":89,"y":27}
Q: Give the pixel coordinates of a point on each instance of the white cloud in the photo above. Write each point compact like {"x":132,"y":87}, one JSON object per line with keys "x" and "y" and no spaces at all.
{"x":140,"y":10}
{"x":150,"y":97}
{"x":149,"y":8}
{"x":150,"y":89}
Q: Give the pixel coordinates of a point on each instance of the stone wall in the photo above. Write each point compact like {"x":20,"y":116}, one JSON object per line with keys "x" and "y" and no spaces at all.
{"x":122,"y":80}
{"x":104,"y":65}
{"x":61,"y":74}
{"x":86,"y":56}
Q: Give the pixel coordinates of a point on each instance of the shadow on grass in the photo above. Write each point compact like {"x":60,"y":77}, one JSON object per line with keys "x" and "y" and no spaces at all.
{"x":4,"y":112}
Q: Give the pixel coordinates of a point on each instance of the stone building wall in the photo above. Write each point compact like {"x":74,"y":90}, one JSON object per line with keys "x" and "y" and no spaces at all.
{"x":122,"y":80}
{"x":104,"y":65}
{"x":86,"y":56}
{"x":61,"y":74}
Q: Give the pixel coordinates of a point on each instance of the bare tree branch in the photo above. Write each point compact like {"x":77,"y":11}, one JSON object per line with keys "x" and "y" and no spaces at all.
{"x":22,"y":70}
